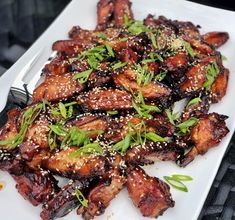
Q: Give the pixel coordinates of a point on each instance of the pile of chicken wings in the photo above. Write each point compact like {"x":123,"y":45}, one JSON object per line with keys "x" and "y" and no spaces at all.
{"x":106,"y":107}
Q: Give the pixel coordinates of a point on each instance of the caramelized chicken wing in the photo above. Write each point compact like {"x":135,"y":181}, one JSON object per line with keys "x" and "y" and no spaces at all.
{"x":207,"y":133}
{"x":219,"y":86}
{"x":153,"y":90}
{"x":215,"y":38}
{"x":36,"y":186}
{"x":118,"y":128}
{"x":196,"y":76}
{"x":11,"y":162}
{"x":150,"y":152}
{"x":122,"y":8}
{"x":149,"y":194}
{"x":62,"y":202}
{"x":105,"y":9}
{"x":90,"y":123}
{"x":58,"y":66}
{"x":101,"y":195}
{"x":9,"y":130}
{"x":70,"y":47}
{"x":111,"y":99}
{"x":196,"y":109}
{"x":56,"y":88}
{"x":79,"y":167}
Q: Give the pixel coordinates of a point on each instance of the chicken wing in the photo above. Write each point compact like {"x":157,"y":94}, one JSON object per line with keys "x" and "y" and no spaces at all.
{"x":106,"y":100}
{"x":56,"y":88}
{"x":80,"y":167}
{"x":207,"y":133}
{"x":149,"y":194}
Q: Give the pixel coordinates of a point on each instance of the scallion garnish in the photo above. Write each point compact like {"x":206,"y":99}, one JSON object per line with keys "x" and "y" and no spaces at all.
{"x":182,"y":178}
{"x":91,"y":148}
{"x":63,"y":110}
{"x":193,"y":102}
{"x":154,"y":137}
{"x":153,"y":40}
{"x":124,"y":39}
{"x":176,"y":181}
{"x":124,"y":144}
{"x":134,"y":26}
{"x":112,"y":112}
{"x":143,"y":75}
{"x":212,"y":70}
{"x":96,"y":55}
{"x":110,"y":50}
{"x":58,"y":129}
{"x":141,"y":108}
{"x":82,"y":77}
{"x":171,"y":116}
{"x":119,"y":65}
{"x":102,"y":35}
{"x":81,"y":198}
{"x":189,"y":50}
{"x":184,"y":126}
{"x":137,"y":135}
{"x":160,"y":76}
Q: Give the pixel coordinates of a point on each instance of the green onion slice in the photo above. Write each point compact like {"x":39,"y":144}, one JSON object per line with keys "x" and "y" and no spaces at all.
{"x":81,"y":198}
{"x":176,"y":183}
{"x":183,"y":178}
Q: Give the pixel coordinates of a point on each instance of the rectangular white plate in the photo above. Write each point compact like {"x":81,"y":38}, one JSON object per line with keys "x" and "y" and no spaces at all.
{"x":202,"y":169}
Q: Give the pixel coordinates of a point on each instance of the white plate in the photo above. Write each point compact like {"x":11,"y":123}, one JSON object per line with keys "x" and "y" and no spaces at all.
{"x":202,"y":169}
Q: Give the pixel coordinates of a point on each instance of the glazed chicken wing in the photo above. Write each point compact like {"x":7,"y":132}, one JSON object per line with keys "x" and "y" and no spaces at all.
{"x":207,"y":133}
{"x":56,"y":88}
{"x":106,"y":100}
{"x":80,"y":167}
{"x":149,"y":194}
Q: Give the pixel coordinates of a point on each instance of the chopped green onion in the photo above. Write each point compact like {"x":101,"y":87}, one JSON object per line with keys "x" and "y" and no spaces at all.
{"x":51,"y":140}
{"x":124,"y":144}
{"x":112,"y":112}
{"x":224,"y":58}
{"x":123,"y":39}
{"x":161,"y":76}
{"x":63,"y":110}
{"x":110,"y":50}
{"x":88,"y":149}
{"x":182,"y":178}
{"x":81,"y":198}
{"x":153,"y":40}
{"x":75,"y":137}
{"x":126,"y":20}
{"x":212,"y":70}
{"x":156,"y":56}
{"x":186,"y":124}
{"x":135,"y":27}
{"x":176,"y":183}
{"x":102,"y":35}
{"x":70,"y":104}
{"x":83,"y":76}
{"x":119,"y":65}
{"x":193,"y":102}
{"x":188,"y":48}
{"x":144,"y":76}
{"x":58,"y":129}
{"x":142,"y":109}
{"x":154,"y":137}
{"x":172,"y":117}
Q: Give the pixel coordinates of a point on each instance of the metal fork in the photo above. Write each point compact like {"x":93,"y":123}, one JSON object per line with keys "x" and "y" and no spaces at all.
{"x":25,"y":81}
